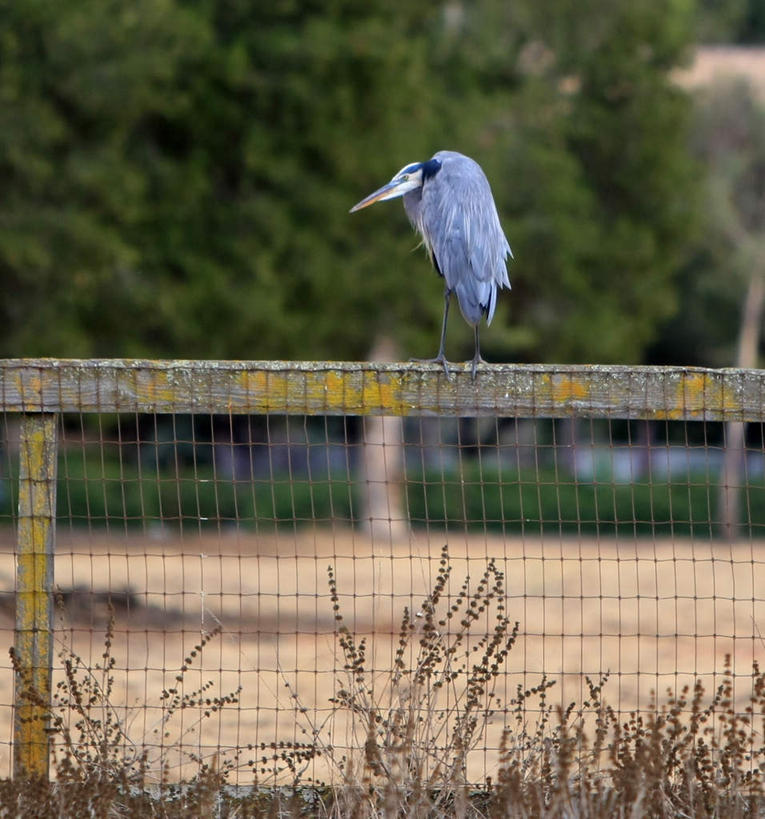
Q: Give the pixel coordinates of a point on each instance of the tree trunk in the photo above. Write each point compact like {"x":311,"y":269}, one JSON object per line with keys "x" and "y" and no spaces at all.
{"x":382,"y":460}
{"x":731,"y":476}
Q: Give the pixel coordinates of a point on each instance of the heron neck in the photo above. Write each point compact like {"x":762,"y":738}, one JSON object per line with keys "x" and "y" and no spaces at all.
{"x":412,"y":201}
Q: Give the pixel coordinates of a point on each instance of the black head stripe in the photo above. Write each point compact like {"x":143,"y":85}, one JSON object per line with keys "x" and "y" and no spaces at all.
{"x":430,"y":168}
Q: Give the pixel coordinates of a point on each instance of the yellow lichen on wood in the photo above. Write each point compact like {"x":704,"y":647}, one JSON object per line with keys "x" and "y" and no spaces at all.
{"x":567,"y":388}
{"x":702,"y":390}
{"x":705,"y":395}
{"x":34,"y":584}
{"x":155,"y":390}
{"x":390,"y":395}
{"x":327,"y":390}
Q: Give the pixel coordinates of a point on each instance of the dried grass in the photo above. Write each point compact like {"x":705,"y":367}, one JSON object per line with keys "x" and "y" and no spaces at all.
{"x":693,"y":754}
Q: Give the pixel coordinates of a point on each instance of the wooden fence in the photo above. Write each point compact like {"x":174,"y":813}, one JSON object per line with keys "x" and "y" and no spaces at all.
{"x":40,"y":390}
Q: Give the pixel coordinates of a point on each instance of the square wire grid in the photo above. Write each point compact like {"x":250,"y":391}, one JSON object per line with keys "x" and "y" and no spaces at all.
{"x":629,"y":547}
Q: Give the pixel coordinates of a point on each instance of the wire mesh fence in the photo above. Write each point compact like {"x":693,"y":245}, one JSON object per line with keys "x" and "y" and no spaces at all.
{"x":205,"y":503}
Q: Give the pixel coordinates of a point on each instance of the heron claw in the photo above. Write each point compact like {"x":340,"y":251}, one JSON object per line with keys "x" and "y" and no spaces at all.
{"x":475,"y":361}
{"x":439,"y":359}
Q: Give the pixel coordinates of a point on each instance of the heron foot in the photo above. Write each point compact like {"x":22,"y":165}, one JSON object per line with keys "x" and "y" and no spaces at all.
{"x":475,"y":361}
{"x":439,"y":359}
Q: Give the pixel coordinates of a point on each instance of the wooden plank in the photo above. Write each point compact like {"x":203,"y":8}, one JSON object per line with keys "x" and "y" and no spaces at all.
{"x":349,"y":388}
{"x":34,"y":588}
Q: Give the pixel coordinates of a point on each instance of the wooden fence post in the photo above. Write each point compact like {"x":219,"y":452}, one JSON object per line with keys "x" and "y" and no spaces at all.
{"x":34,"y":586}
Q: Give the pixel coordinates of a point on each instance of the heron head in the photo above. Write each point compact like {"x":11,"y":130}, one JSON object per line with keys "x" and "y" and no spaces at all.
{"x":407,"y":179}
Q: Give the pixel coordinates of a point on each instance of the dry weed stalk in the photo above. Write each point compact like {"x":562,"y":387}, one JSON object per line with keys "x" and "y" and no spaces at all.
{"x":678,"y":759}
{"x":98,"y":768}
{"x":415,"y":727}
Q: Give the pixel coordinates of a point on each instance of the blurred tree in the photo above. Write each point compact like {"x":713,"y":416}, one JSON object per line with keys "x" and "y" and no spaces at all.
{"x":730,"y":138}
{"x":588,"y":139}
{"x":177,"y":174}
{"x":731,"y":21}
{"x":720,"y":21}
{"x":77,"y":80}
{"x":288,"y":118}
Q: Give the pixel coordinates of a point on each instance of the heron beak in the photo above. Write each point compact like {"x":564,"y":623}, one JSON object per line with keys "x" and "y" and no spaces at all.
{"x":393,"y":189}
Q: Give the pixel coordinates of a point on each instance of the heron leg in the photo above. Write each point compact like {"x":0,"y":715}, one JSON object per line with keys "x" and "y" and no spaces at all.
{"x":441,"y":352}
{"x":441,"y":357}
{"x":477,"y":357}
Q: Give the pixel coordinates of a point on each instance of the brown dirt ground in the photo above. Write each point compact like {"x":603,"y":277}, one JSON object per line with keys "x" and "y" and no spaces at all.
{"x":654,"y":613}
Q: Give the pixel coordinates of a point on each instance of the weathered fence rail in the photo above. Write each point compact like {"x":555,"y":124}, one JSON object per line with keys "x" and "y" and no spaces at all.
{"x":40,"y":389}
{"x":347,"y":388}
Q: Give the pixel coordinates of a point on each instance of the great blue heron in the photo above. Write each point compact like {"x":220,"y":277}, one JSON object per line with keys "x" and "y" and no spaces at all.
{"x":448,"y":200}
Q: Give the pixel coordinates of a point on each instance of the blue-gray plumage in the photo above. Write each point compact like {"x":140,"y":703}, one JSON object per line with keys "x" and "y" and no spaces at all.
{"x":448,"y":200}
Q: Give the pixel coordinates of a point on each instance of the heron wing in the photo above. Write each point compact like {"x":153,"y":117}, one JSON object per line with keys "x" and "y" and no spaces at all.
{"x":461,"y":227}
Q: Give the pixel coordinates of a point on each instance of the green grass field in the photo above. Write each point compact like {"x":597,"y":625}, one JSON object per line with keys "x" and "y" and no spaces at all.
{"x":95,"y":490}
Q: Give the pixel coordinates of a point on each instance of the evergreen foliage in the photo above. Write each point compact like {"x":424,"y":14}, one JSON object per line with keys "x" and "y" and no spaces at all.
{"x":177,"y":175}
{"x":729,"y":139}
{"x":731,"y":21}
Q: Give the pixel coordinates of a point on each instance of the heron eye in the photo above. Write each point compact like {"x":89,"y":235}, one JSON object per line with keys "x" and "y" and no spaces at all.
{"x":405,"y":177}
